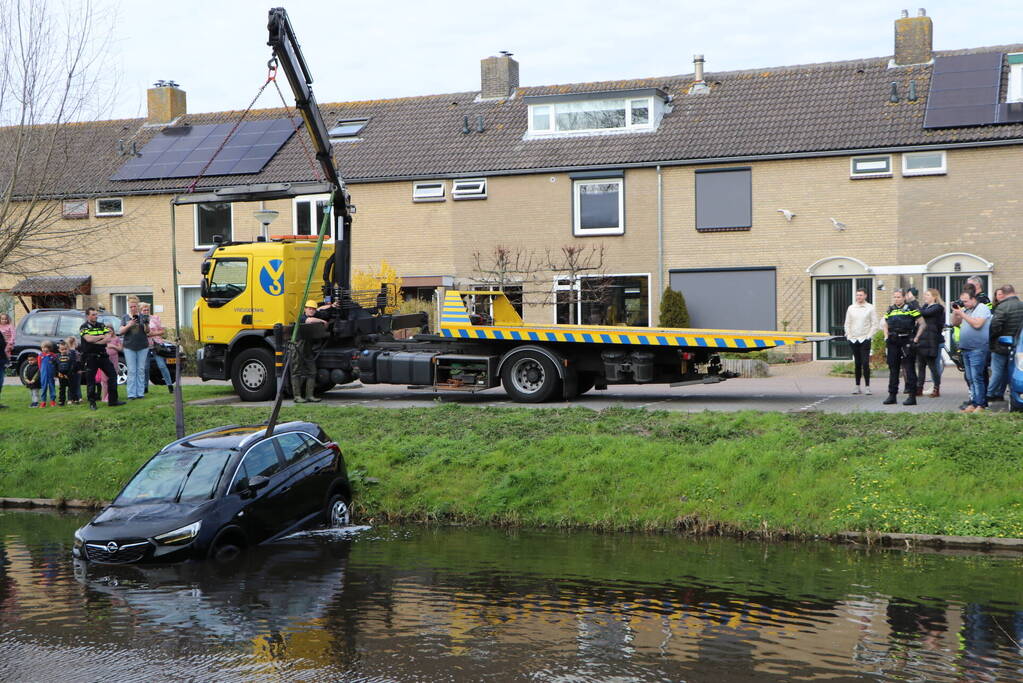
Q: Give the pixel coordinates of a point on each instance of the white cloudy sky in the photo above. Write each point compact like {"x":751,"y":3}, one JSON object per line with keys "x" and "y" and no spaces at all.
{"x":216,"y":49}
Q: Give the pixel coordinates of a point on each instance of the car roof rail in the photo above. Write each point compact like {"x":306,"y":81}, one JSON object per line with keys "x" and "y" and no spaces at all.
{"x":202,"y":433}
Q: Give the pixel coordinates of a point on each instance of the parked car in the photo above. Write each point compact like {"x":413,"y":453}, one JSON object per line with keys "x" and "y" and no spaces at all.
{"x":1015,"y":383}
{"x":214,"y":493}
{"x":54,"y":324}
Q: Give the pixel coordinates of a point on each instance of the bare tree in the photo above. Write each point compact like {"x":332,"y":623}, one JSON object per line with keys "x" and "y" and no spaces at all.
{"x":53,"y":79}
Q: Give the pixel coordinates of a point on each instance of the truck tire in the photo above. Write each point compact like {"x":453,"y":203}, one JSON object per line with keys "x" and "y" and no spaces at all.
{"x":252,"y":375}
{"x":530,"y":377}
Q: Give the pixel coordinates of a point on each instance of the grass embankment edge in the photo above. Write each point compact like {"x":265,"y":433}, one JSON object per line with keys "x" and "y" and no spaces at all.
{"x":762,"y":474}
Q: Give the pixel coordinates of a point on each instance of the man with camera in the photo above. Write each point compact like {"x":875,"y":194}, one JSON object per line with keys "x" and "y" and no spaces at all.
{"x":902,"y":327}
{"x":974,"y":342}
{"x":95,"y":336}
{"x":135,"y":334}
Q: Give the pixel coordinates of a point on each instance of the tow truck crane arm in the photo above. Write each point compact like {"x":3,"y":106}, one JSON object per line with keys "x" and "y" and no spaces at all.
{"x":289,"y":56}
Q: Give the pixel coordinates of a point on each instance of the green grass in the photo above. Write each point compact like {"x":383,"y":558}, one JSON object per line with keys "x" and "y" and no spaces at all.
{"x":615,"y":469}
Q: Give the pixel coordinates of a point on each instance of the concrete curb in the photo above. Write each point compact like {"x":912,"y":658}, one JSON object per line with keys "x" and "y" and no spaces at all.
{"x":929,"y":540}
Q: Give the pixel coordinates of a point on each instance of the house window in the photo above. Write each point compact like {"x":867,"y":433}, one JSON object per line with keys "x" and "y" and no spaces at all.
{"x":348,"y":129}
{"x":923,"y":163}
{"x":305,"y":222}
{"x":210,"y":220}
{"x":113,"y":206}
{"x":120,"y":302}
{"x":619,"y":300}
{"x":871,"y":167}
{"x":432,"y":191}
{"x":188,"y":297}
{"x":598,"y":207}
{"x":75,"y":208}
{"x":591,"y":115}
{"x":1015,"y":92}
{"x":724,"y":200}
{"x":469,"y":189}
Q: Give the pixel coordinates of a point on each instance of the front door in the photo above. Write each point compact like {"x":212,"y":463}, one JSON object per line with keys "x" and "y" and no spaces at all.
{"x":833,"y":297}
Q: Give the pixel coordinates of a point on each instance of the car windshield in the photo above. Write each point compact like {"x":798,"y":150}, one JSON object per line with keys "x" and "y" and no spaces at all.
{"x":177,"y":476}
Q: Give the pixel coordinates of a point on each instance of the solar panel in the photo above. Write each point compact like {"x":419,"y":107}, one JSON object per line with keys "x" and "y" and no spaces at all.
{"x":964,"y":91}
{"x":183,"y":152}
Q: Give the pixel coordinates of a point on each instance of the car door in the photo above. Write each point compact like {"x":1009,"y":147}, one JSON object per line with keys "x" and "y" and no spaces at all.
{"x":265,"y":514}
{"x":305,"y":465}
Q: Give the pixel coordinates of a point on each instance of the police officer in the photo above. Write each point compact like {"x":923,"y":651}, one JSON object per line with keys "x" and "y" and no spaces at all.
{"x":902,"y":326}
{"x":95,"y":336}
{"x":303,"y":357}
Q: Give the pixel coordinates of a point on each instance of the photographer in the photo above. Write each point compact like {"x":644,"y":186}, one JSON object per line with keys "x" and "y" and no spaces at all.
{"x":135,"y":335}
{"x":902,"y":327}
{"x":974,"y":340}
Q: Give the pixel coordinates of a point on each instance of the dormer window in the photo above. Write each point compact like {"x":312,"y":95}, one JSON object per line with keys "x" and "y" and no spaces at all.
{"x":602,"y":112}
{"x":1015,"y":92}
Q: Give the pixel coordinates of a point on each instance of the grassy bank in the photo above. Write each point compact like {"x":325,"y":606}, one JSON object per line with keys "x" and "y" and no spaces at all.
{"x":616,"y":469}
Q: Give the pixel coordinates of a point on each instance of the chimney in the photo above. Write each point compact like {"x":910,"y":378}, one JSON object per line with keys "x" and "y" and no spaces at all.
{"x":699,"y":86}
{"x":166,"y":102}
{"x":913,"y":39}
{"x":499,"y":76}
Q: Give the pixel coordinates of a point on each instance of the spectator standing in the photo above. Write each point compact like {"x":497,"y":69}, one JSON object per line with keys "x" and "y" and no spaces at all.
{"x":47,"y":361}
{"x":156,"y":332}
{"x":134,"y":334}
{"x":928,"y":353}
{"x":978,"y":287}
{"x":114,"y":351}
{"x":902,"y":328}
{"x":95,"y":338}
{"x":974,"y":340}
{"x":65,"y":370}
{"x":1006,"y":321}
{"x":860,"y":326}
{"x":6,"y":347}
{"x":75,"y":381}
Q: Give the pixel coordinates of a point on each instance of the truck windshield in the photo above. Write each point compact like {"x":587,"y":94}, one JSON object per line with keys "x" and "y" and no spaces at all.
{"x":176,"y":476}
{"x":228,"y":279}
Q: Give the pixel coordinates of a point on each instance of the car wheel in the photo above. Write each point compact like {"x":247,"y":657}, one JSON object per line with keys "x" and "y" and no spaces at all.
{"x":122,"y":371}
{"x":252,"y":375}
{"x":530,"y":377}
{"x":225,"y":549}
{"x":1015,"y":406}
{"x":23,"y":368}
{"x":339,"y":513}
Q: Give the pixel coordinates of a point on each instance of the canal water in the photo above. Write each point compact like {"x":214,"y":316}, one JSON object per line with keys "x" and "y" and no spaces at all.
{"x":454,"y":604}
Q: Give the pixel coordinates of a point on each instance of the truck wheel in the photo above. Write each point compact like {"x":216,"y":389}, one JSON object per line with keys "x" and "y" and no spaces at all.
{"x":530,"y":377}
{"x":252,"y":375}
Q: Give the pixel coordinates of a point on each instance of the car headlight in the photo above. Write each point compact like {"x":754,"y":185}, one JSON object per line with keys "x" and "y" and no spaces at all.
{"x":179,"y":536}
{"x":79,"y":541}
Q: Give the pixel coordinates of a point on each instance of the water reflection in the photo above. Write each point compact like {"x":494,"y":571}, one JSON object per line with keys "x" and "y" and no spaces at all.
{"x":468,"y":605}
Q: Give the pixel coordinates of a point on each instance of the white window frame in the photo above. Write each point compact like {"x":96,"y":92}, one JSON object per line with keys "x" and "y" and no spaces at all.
{"x":552,"y":118}
{"x":315,"y":227}
{"x":937,"y":170}
{"x":343,"y":122}
{"x":1014,"y":92}
{"x":429,"y":191}
{"x":469,"y":188}
{"x":69,"y":208}
{"x":109,"y":213}
{"x":185,"y":317}
{"x":195,"y":225}
{"x":576,"y":286}
{"x":119,"y":301}
{"x":870,"y":174}
{"x":577,"y":214}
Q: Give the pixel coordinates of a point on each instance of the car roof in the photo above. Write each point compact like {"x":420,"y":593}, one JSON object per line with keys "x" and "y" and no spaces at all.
{"x":236,"y":437}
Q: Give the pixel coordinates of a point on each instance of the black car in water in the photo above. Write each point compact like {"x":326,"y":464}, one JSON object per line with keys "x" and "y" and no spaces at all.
{"x":211,"y":494}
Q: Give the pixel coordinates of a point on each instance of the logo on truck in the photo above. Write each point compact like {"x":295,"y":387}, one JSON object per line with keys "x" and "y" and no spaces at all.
{"x":271,"y":277}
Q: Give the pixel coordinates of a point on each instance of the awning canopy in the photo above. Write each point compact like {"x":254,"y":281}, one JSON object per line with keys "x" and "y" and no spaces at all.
{"x":42,"y":285}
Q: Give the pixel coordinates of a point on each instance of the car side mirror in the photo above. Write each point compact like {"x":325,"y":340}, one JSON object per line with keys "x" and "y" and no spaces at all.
{"x":1005,"y":339}
{"x":258,"y":482}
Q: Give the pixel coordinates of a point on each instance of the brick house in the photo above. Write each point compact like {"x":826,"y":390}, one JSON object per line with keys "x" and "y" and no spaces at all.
{"x":765,"y":196}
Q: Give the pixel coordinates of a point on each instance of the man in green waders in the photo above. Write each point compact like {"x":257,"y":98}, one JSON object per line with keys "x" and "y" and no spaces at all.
{"x":303,"y":358}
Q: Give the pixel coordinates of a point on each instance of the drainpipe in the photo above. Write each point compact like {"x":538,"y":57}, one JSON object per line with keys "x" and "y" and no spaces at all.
{"x":179,"y":409}
{"x":660,"y":235}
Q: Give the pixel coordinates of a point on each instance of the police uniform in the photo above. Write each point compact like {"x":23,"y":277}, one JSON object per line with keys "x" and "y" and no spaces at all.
{"x":901,"y":349}
{"x":303,"y":364}
{"x":94,"y":357}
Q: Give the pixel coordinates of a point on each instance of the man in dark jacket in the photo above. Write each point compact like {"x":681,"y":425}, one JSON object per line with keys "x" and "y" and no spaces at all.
{"x":1006,"y":321}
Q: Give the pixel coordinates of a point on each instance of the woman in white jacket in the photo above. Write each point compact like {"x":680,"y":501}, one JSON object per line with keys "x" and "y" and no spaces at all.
{"x":860,"y":325}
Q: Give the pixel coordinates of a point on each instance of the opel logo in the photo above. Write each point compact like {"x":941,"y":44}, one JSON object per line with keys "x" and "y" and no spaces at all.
{"x":112,"y":547}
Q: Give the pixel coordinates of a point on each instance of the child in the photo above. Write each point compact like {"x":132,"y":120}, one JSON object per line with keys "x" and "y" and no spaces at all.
{"x":113,"y":347}
{"x":66,"y":369}
{"x":47,"y":374}
{"x":75,"y":379}
{"x":32,"y":382}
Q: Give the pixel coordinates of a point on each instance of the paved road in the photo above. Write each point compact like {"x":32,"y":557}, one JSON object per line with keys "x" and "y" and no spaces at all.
{"x":801,"y":388}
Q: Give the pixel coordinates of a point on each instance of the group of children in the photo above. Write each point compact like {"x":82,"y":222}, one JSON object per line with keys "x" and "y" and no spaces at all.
{"x":62,"y":367}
